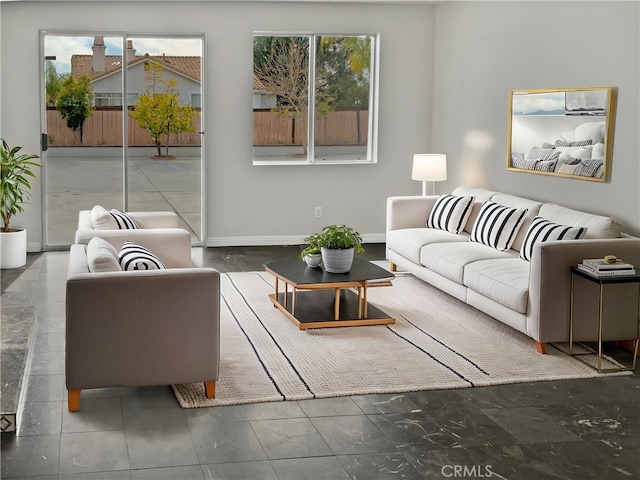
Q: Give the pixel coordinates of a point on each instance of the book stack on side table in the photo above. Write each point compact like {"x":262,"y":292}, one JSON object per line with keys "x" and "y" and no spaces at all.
{"x":599,"y":268}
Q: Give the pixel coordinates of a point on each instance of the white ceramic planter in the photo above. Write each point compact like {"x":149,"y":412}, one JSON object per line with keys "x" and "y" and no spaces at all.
{"x":313,"y":260}
{"x":336,"y":260}
{"x":13,"y":249}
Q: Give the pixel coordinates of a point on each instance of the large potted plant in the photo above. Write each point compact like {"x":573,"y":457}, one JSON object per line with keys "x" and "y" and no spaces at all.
{"x":14,"y":192}
{"x":338,"y":243}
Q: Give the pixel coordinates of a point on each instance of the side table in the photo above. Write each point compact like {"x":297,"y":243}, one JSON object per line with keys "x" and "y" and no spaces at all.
{"x":603,"y":281}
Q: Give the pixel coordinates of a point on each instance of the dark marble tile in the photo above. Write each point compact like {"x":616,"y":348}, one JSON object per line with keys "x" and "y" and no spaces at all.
{"x":93,"y":452}
{"x":329,"y":407}
{"x":116,"y":475}
{"x":95,"y":414}
{"x":387,"y":403}
{"x":160,"y":447}
{"x":471,"y":428}
{"x":349,"y":435}
{"x":240,"y":471}
{"x":230,"y":413}
{"x":192,"y":472}
{"x":290,"y":438}
{"x":379,"y":466}
{"x":438,"y":402}
{"x":44,"y":388}
{"x":226,"y":442}
{"x":412,"y":430}
{"x":152,"y":410}
{"x":504,"y":462}
{"x":29,"y":456}
{"x":272,"y":410}
{"x":41,"y":418}
{"x":318,"y":468}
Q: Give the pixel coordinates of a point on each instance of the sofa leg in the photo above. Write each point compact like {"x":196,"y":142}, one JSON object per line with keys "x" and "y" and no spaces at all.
{"x":393,"y":267}
{"x":73,"y":402}
{"x":541,"y":347}
{"x":210,"y":389}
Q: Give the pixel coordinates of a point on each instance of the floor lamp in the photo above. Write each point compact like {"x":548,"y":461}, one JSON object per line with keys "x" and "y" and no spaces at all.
{"x":429,"y":167}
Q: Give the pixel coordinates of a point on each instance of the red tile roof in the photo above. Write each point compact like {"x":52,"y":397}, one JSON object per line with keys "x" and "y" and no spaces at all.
{"x":187,"y":66}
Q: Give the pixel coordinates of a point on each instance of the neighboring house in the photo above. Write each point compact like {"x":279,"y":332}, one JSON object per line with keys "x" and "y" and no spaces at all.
{"x":106,"y":76}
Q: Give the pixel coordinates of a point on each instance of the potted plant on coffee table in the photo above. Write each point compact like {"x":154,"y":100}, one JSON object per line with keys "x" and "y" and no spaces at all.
{"x":311,"y":254}
{"x":338,"y":243}
{"x":14,"y":192}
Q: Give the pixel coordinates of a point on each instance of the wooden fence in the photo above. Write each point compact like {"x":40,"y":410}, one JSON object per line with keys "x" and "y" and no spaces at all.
{"x":104,"y":129}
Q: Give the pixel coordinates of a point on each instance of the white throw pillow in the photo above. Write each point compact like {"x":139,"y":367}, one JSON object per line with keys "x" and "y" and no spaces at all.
{"x":542,"y":230}
{"x":450,"y":213}
{"x":102,"y":256}
{"x":497,"y":225}
{"x":123,"y":220}
{"x":567,"y":169}
{"x":593,"y":131}
{"x":598,"y":151}
{"x":568,"y":136}
{"x":101,"y":219}
{"x":137,"y":257}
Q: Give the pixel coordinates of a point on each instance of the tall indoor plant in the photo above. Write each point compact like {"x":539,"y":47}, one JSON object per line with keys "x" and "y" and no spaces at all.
{"x":14,"y":192}
{"x":338,"y":243}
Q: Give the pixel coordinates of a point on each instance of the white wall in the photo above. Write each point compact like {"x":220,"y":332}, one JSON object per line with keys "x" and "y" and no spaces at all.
{"x":249,"y":204}
{"x":485,"y":49}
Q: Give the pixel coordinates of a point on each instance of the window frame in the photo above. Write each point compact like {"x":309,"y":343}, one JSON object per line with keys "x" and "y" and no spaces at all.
{"x":372,"y":124}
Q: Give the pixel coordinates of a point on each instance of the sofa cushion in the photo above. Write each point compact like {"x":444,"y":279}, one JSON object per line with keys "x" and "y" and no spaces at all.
{"x":597,"y":226}
{"x":505,"y":281}
{"x":532,"y":207}
{"x":481,"y":195}
{"x":137,"y":257}
{"x":542,"y":230}
{"x":124,"y":221}
{"x":497,"y":225}
{"x":101,"y":219}
{"x":408,"y":241}
{"x":449,"y":259}
{"x":102,"y":256}
{"x":450,"y":213}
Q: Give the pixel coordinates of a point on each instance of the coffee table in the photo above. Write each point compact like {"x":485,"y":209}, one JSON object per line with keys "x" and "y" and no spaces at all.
{"x":313,"y":298}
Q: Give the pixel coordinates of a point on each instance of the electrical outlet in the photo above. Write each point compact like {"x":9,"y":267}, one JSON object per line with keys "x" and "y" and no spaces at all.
{"x":318,"y":212}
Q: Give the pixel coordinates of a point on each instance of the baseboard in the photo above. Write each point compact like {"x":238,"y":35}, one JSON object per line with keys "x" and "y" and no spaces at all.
{"x":277,"y":240}
{"x":34,"y":247}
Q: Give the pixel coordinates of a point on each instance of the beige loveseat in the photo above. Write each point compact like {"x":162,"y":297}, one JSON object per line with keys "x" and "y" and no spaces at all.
{"x":139,"y":328}
{"x":530,"y":296}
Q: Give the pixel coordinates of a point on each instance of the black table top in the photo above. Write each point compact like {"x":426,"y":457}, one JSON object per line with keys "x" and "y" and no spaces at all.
{"x":607,"y":279}
{"x":297,"y":272}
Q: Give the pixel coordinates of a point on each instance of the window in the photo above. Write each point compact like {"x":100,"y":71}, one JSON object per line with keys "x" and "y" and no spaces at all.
{"x":314,"y":99}
{"x":102,"y":99}
{"x":196,"y":100}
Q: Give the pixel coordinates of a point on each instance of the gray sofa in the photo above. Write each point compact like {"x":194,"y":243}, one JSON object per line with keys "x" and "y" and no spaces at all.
{"x":139,"y":328}
{"x":530,"y":296}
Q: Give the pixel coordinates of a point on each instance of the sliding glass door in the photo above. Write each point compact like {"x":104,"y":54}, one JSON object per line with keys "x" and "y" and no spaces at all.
{"x":127,"y":138}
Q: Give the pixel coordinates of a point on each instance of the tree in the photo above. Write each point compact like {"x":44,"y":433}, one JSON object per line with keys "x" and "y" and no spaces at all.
{"x":284,"y":71}
{"x":74,"y":101}
{"x":53,"y":83}
{"x":162,"y":113}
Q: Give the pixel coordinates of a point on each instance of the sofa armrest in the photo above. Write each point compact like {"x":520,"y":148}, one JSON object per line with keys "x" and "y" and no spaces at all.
{"x":142,"y":328}
{"x":550,"y":280}
{"x":171,"y":245}
{"x":409,"y":211}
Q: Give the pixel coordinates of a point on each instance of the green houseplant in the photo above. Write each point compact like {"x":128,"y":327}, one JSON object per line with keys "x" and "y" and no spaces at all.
{"x":338,"y":243}
{"x":311,"y":254}
{"x":14,"y":192}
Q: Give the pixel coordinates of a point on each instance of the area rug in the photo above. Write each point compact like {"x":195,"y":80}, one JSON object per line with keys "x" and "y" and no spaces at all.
{"x":437,"y":342}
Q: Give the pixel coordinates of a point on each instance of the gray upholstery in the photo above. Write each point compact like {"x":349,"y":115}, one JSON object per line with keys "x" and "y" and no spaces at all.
{"x":533,"y":297}
{"x":140,"y":328}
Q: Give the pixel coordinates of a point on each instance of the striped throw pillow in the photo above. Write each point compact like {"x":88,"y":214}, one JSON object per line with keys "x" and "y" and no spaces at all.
{"x":136,"y":257}
{"x":124,"y":221}
{"x":450,"y":213}
{"x":542,"y":230}
{"x":497,"y":225}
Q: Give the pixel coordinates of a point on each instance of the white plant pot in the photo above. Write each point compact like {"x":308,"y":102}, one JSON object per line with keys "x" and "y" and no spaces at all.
{"x":313,"y":260}
{"x":13,"y":249}
{"x":337,"y":260}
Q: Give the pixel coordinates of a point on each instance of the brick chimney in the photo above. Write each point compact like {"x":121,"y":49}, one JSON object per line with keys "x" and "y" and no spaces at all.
{"x":131,"y":52}
{"x":98,"y":54}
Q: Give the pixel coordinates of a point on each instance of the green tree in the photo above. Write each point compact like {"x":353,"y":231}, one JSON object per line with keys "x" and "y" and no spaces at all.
{"x":53,"y":83}
{"x":74,"y":101}
{"x":160,"y":111}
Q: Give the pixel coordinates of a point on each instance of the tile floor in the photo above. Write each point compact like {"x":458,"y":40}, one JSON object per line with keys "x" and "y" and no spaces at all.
{"x":579,"y":429}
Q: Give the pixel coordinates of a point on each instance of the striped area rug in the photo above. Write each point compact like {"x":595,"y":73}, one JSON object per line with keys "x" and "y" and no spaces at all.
{"x":437,"y":342}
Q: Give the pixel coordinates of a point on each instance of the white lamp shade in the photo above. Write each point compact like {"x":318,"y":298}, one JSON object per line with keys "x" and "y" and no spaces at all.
{"x":429,"y":167}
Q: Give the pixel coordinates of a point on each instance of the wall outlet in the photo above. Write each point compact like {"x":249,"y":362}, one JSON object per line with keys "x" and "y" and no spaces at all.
{"x":318,"y":212}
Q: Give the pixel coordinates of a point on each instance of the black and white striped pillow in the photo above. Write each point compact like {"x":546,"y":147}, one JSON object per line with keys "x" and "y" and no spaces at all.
{"x":542,"y":230}
{"x":124,"y":221}
{"x":588,"y":167}
{"x":497,"y":225}
{"x":136,"y":257}
{"x":580,"y":143}
{"x":450,"y":213}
